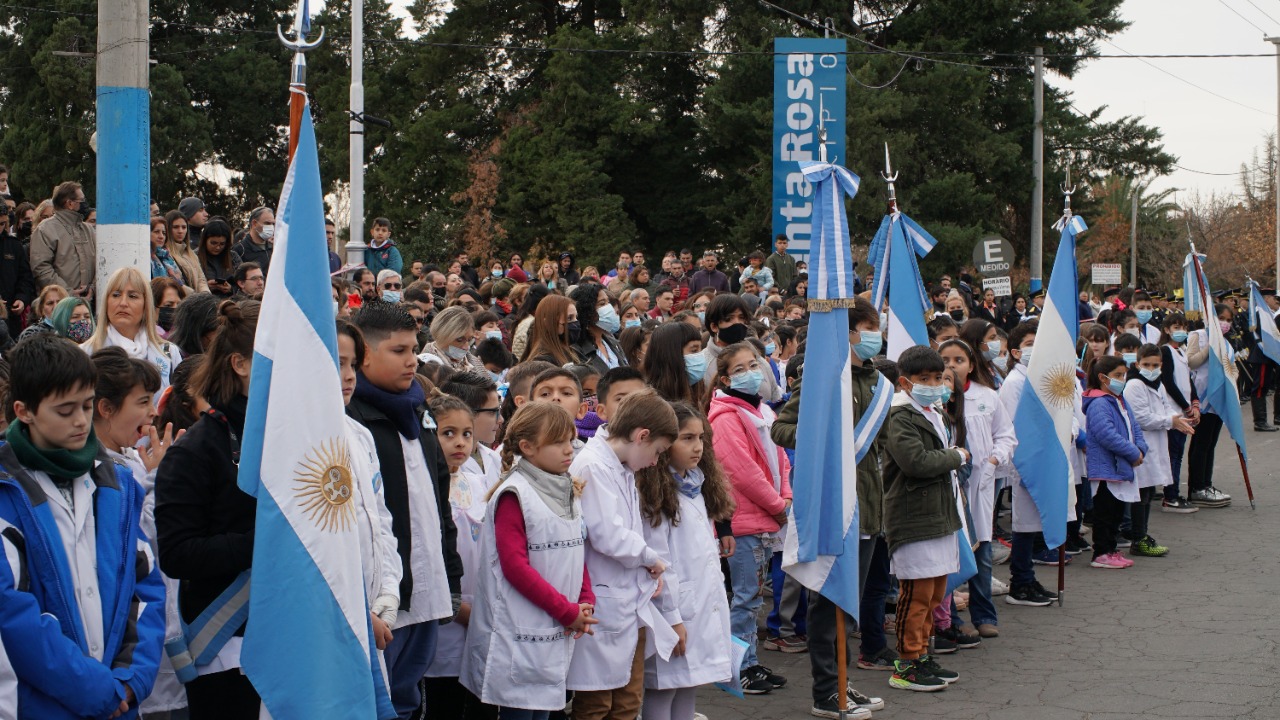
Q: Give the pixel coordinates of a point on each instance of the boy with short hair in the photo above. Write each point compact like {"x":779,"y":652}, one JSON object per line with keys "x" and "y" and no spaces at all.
{"x":920,"y":511}
{"x":519,"y":383}
{"x":561,"y":386}
{"x":81,"y":600}
{"x":382,"y":253}
{"x":612,"y":387}
{"x":495,"y":357}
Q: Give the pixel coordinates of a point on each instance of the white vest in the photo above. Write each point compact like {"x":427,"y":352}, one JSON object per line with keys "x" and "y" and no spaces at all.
{"x":517,"y":655}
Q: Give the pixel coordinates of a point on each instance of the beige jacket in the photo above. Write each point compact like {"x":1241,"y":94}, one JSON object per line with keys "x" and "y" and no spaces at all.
{"x":189,"y":264}
{"x":64,"y":251}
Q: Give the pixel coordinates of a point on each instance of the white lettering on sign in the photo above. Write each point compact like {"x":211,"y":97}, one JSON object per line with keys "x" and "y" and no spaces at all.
{"x":991,"y":248}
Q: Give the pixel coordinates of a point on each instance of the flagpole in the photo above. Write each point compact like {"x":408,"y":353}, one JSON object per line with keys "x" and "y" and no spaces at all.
{"x":298,"y":72}
{"x":1067,"y":191}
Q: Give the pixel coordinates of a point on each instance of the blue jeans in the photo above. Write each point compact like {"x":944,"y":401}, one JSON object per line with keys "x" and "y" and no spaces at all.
{"x":410,"y":652}
{"x":875,"y":590}
{"x":507,"y":713}
{"x":790,"y":602}
{"x":981,"y":609}
{"x":1177,"y":444}
{"x":1020,"y":565}
{"x":748,"y":568}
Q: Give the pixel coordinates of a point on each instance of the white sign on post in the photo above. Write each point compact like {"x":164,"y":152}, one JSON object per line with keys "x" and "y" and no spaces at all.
{"x":1002,"y":286}
{"x":1106,"y":274}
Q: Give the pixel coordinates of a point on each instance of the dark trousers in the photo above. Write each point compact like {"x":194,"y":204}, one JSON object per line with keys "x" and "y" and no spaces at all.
{"x":1177,"y":446}
{"x":822,"y":645}
{"x":227,"y":695}
{"x":1107,"y":511}
{"x":1140,"y":514}
{"x":876,"y":587}
{"x":1200,"y":454}
{"x":447,"y":699}
{"x":1022,"y":571}
{"x":408,"y":655}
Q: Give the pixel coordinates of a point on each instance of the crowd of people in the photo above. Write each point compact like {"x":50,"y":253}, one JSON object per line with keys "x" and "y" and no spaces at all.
{"x":574,"y":481}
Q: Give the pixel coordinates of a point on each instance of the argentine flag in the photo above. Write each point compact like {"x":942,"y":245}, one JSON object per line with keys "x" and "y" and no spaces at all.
{"x":308,"y":647}
{"x":908,"y":303}
{"x":1221,"y":396}
{"x":1043,"y":458}
{"x":1263,"y":323}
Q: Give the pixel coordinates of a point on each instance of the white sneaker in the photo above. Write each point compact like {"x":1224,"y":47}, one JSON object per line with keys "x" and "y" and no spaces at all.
{"x":999,"y":554}
{"x":699,"y":716}
{"x":998,"y":587}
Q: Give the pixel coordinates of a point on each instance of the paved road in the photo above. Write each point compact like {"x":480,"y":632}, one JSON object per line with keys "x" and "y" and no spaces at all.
{"x":1190,"y":635}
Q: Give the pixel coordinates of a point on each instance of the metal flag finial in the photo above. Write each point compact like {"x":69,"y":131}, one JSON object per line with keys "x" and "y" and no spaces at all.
{"x":890,"y":177}
{"x":1067,"y":191}
{"x":301,"y":26}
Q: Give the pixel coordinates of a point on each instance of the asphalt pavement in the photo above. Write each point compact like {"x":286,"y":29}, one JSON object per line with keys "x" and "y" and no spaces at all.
{"x":1190,"y":635}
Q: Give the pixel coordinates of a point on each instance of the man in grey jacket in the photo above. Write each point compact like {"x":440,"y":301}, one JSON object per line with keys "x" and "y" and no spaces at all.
{"x":64,"y":249}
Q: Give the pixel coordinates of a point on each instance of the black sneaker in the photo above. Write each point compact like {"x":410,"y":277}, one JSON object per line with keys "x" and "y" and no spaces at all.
{"x":1026,"y":595}
{"x":912,"y":675}
{"x":1044,"y":592}
{"x":775,"y":680}
{"x":829,"y":708}
{"x":1077,"y":545}
{"x":755,"y":681}
{"x":946,"y":676}
{"x":1178,"y":505}
{"x":943,"y":646}
{"x":962,"y":639}
{"x":863,"y":701}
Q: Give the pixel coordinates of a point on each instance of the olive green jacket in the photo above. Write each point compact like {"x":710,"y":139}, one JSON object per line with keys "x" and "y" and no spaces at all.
{"x":919,"y":502}
{"x":870,"y":487}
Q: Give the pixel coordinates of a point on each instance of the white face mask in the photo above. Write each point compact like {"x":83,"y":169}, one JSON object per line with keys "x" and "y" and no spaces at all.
{"x":267,"y":232}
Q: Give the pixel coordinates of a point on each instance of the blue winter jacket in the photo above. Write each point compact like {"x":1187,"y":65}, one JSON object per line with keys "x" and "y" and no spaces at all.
{"x":39,"y":618}
{"x":1111,"y":454}
{"x":386,"y":257}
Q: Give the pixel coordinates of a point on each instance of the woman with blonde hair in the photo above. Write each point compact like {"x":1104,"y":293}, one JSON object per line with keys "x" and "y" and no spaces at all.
{"x":42,"y":310}
{"x":127,"y":319}
{"x":44,"y":211}
{"x":453,"y":333}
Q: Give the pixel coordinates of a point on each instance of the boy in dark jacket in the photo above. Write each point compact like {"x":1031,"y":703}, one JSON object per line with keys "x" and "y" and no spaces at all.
{"x":920,"y":512}
{"x":389,"y":402}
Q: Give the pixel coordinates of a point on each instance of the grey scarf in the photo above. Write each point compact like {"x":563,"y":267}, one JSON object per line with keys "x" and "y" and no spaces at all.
{"x":555,"y":490}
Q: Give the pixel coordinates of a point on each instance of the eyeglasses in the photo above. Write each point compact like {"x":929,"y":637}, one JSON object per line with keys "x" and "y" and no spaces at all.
{"x":391,"y":286}
{"x":495,"y":411}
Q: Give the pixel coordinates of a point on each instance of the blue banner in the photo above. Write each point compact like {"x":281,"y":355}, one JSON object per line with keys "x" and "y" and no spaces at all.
{"x":809,"y":86}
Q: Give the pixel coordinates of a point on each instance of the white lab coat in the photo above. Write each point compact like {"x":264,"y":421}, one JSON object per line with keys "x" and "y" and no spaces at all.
{"x":616,"y":558}
{"x":382,"y":568}
{"x":988,"y":433}
{"x":430,"y":600}
{"x":1026,"y":518}
{"x":8,"y":687}
{"x":77,"y":530}
{"x":1153,"y":410}
{"x":467,"y":491}
{"x":694,"y":582}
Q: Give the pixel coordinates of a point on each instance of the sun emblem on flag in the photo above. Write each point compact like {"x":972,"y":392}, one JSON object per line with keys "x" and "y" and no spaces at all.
{"x":1228,"y":367}
{"x":1058,"y":386}
{"x":324,"y":486}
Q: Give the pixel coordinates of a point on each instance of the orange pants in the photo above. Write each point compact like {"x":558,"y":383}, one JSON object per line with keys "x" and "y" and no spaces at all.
{"x":620,"y":704}
{"x":917,"y":600}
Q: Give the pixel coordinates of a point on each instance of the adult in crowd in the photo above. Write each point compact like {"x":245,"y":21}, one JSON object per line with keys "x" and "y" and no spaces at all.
{"x":127,"y":320}
{"x":678,"y":281}
{"x":167,"y":294}
{"x":639,"y":279}
{"x":17,"y":283}
{"x":987,"y":309}
{"x":42,"y":309}
{"x":197,"y":215}
{"x":367,"y":282}
{"x":72,"y":319}
{"x":64,"y":249}
{"x":515,"y":268}
{"x":179,"y":246}
{"x":390,"y":286}
{"x":497,"y":271}
{"x":162,"y":263}
{"x":465,"y":269}
{"x":782,"y":265}
{"x":257,"y":244}
{"x":957,"y":308}
{"x":249,"y":280}
{"x":218,"y":262}
{"x":709,"y":278}
{"x":194,"y":324}
{"x":634,"y":342}
{"x":453,"y":333}
{"x":598,"y":347}
{"x":567,"y":271}
{"x":639,"y":298}
{"x":554,"y":332}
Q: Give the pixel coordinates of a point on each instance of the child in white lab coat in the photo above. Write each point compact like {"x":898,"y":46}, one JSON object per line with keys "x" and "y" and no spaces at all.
{"x":680,"y":498}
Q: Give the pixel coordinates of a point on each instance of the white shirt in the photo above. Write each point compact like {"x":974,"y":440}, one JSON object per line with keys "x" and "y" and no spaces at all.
{"x":928,"y":558}
{"x":78,"y":532}
{"x":430,"y":599}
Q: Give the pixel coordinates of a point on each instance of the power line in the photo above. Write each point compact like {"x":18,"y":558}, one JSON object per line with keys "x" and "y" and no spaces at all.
{"x":1188,"y":82}
{"x":1085,"y":116}
{"x":1242,"y":17}
{"x":1264,"y":12}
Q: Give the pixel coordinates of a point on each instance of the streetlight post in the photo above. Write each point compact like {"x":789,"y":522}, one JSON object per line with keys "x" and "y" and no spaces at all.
{"x":1276,"y":180}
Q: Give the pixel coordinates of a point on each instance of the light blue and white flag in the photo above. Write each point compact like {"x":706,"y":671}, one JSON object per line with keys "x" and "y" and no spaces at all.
{"x":920,"y":241}
{"x":1042,"y":458}
{"x":308,"y":647}
{"x":1221,"y":396}
{"x":820,"y":549}
{"x":1262,"y":322}
{"x":908,"y":304}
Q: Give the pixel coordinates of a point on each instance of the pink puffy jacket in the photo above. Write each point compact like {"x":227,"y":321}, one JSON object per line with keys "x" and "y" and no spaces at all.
{"x":741,"y":451}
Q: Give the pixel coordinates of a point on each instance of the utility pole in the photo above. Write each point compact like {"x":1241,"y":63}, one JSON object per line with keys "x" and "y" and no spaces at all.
{"x":355,"y":232}
{"x":124,"y":139}
{"x":1037,"y":168}
{"x":1276,"y":41}
{"x":1133,"y":241}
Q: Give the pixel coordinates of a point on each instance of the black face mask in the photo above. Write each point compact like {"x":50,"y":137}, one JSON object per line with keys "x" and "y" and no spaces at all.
{"x":575,"y":332}
{"x":730,"y":334}
{"x":165,"y":317}
{"x":957,"y":315}
{"x":85,"y":209}
{"x":437,"y":291}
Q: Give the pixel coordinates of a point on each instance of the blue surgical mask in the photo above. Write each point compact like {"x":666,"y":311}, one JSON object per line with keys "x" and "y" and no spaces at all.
{"x":1117,"y":386}
{"x":496,"y":273}
{"x":608,"y":319}
{"x":1129,"y":358}
{"x":633,"y":322}
{"x":1179,"y":336}
{"x":695,"y":366}
{"x":770,"y":348}
{"x":946,"y":396}
{"x":993,"y":349}
{"x":869,"y":344}
{"x":1151,"y":374}
{"x":702,"y":316}
{"x":1144,"y":316}
{"x":498,"y":377}
{"x":1026,"y":357}
{"x":927,"y":395}
{"x":493,"y":334}
{"x":391,"y":296}
{"x":1002,"y":362}
{"x":455,"y":352}
{"x":747,"y":382}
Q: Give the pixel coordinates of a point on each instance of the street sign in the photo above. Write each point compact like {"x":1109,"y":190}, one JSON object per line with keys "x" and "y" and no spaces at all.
{"x":1002,"y":286}
{"x":1106,"y":274}
{"x":993,"y":255}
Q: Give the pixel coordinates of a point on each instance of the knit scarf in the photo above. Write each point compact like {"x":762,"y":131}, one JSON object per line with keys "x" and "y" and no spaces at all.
{"x":60,"y":464}
{"x":401,"y":408}
{"x":691,"y":483}
{"x":555,"y":490}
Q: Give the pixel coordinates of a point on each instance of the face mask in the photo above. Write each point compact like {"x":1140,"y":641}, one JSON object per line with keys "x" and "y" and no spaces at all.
{"x":575,"y":332}
{"x":608,"y":319}
{"x":927,"y":395}
{"x":164,"y":317}
{"x":496,"y":376}
{"x":84,"y":210}
{"x":957,"y":315}
{"x":633,"y":322}
{"x":770,"y":348}
{"x":1226,"y":326}
{"x":80,"y":330}
{"x":869,"y":344}
{"x":993,"y":349}
{"x":1179,"y":336}
{"x":747,"y":382}
{"x":1002,"y":362}
{"x":1129,"y":358}
{"x":946,"y":396}
{"x":884,"y":319}
{"x":496,"y":273}
{"x":391,"y":296}
{"x":731,"y":334}
{"x":493,"y":334}
{"x":1116,"y":386}
{"x":1136,"y":332}
{"x":1151,"y":374}
{"x":695,"y":366}
{"x":267,"y":232}
{"x":437,"y":291}
{"x":335,"y":308}
{"x":702,"y":316}
{"x":455,"y":352}
{"x":1144,"y":316}
{"x":1026,"y":357}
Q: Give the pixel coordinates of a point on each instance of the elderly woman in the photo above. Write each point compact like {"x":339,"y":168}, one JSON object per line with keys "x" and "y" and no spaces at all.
{"x":453,"y":332}
{"x":127,"y":320}
{"x":42,"y":310}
